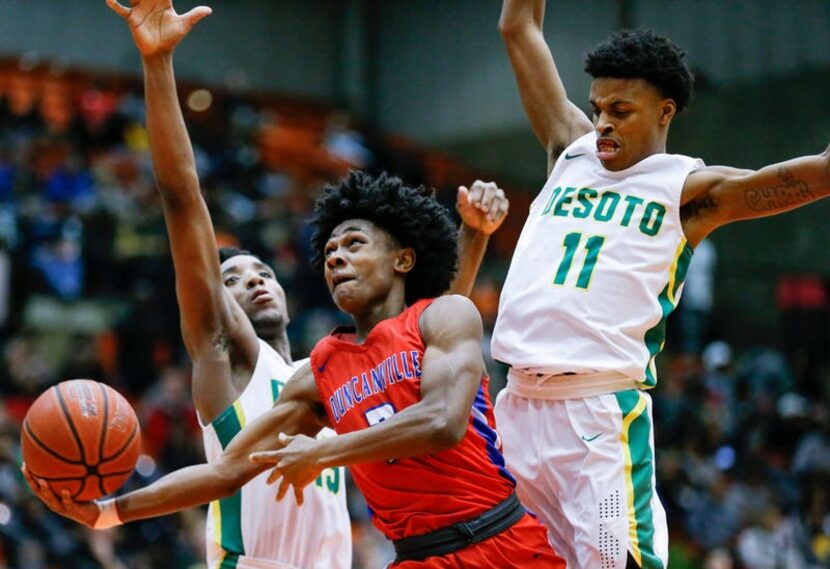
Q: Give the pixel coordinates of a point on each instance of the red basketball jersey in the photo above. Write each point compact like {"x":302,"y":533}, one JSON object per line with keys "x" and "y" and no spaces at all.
{"x":363,"y":384}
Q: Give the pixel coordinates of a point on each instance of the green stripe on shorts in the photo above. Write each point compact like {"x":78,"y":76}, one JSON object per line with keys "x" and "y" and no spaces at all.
{"x":639,"y":472}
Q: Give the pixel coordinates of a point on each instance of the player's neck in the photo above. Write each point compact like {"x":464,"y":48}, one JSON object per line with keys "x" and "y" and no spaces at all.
{"x":368,"y":318}
{"x":280,"y":344}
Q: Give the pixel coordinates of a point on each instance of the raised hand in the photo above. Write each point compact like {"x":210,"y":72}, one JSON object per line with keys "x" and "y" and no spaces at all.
{"x":296,"y":463}
{"x":156,"y":27}
{"x":85,"y":513}
{"x":482,"y":207}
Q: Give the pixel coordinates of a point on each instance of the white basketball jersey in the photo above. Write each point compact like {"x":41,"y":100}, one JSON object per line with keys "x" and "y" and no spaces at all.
{"x":598,"y":268}
{"x":251,"y":528}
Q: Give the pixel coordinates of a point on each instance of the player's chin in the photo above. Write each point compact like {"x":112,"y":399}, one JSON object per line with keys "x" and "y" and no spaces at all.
{"x":267,"y":315}
{"x":346,"y":300}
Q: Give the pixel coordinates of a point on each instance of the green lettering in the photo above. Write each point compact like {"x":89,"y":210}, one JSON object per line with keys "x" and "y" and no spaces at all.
{"x":563,"y":201}
{"x":652,"y":219}
{"x":276,"y":388}
{"x":593,"y":246}
{"x":332,"y":479}
{"x":633,"y":202}
{"x":553,"y":197}
{"x":571,"y":243}
{"x":607,"y":206}
{"x":584,"y":197}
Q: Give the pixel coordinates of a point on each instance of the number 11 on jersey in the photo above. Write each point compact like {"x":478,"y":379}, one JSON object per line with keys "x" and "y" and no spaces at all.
{"x":571,"y":245}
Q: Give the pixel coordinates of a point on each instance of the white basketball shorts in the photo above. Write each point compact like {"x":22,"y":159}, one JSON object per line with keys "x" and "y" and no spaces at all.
{"x":585,"y":467}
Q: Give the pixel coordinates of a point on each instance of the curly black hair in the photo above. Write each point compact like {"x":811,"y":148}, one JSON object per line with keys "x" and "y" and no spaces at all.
{"x":644,"y":54}
{"x":411,"y":215}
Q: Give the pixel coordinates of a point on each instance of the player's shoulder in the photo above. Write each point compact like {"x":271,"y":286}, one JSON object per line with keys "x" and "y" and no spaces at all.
{"x":705,"y":177}
{"x":450,"y":314}
{"x":453,"y":303}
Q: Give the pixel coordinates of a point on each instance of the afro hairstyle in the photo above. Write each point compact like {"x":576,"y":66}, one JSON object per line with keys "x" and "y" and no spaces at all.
{"x":644,"y":54}
{"x":411,"y":215}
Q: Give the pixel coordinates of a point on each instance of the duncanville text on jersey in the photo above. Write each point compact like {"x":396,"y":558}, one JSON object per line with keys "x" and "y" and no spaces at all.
{"x":396,"y":367}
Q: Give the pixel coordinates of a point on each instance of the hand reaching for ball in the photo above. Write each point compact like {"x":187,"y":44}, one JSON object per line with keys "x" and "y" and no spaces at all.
{"x":86,"y":513}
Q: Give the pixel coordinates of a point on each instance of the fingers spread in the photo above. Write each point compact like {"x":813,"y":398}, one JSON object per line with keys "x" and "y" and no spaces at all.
{"x":274,"y":476}
{"x":283,"y":490}
{"x":299,"y":495}
{"x":264,"y":457}
{"x":122,"y":11}
{"x":195,"y":15}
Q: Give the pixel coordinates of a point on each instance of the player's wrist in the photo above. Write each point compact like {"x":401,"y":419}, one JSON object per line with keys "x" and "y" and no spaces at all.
{"x":472,"y":232}
{"x":324,"y":455}
{"x":108,"y":516}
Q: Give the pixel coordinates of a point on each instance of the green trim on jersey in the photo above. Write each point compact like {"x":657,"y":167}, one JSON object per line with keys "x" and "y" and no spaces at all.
{"x":655,"y":338}
{"x":227,"y":513}
{"x":639,"y":475}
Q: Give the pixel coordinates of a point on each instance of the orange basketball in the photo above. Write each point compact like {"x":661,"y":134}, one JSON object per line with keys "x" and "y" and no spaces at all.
{"x":83,"y":436}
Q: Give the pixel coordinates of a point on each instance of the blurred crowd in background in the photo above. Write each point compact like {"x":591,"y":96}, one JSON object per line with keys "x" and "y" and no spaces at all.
{"x":87,"y":290}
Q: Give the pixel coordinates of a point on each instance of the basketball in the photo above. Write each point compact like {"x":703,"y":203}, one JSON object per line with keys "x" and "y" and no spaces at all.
{"x":82,"y":436}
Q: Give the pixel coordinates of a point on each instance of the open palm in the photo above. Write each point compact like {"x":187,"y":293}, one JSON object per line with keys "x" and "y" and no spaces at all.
{"x":155,"y":25}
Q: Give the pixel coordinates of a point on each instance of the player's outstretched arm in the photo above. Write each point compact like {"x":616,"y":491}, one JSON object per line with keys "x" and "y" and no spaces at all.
{"x":297,"y":411}
{"x":451,"y":373}
{"x":209,"y":314}
{"x":718,"y":195}
{"x":483,"y":208}
{"x":556,"y":121}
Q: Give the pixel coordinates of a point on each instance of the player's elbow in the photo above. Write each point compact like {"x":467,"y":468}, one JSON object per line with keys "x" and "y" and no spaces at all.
{"x":519,"y":23}
{"x":447,"y":432}
{"x":510,"y":29}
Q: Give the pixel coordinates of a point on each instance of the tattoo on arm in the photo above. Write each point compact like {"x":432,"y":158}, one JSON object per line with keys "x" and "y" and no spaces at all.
{"x":697,"y":208}
{"x":788,"y":192}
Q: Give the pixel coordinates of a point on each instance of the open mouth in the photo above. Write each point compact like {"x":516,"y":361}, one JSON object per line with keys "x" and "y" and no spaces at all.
{"x":607,"y":148}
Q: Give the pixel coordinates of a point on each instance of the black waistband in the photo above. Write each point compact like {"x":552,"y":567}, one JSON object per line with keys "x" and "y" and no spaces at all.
{"x":460,"y":535}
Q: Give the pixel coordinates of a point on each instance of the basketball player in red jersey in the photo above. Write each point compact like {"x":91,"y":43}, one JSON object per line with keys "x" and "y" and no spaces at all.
{"x":405,"y":390}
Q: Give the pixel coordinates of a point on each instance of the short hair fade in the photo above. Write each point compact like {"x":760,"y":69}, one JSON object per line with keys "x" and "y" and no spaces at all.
{"x":226,"y":253}
{"x":644,"y":54}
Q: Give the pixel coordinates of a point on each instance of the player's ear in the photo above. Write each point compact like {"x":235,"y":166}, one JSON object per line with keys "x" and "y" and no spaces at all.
{"x":404,"y":259}
{"x":668,"y":108}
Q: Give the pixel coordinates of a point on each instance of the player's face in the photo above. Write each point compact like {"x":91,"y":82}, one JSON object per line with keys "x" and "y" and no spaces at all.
{"x":630,"y":118}
{"x":254,"y":286}
{"x":361,"y":265}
